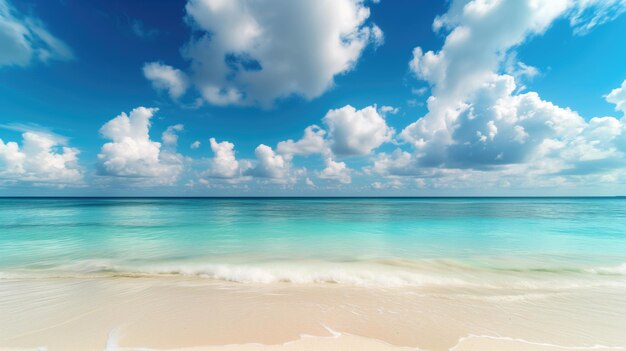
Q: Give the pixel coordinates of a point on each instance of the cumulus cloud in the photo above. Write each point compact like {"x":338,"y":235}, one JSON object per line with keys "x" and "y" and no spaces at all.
{"x":42,"y":158}
{"x":350,"y":132}
{"x":224,"y":164}
{"x":356,"y":132}
{"x":270,"y":164}
{"x":25,"y":39}
{"x":254,"y":52}
{"x":169,"y":136}
{"x":312,"y":142}
{"x":195,"y":144}
{"x":617,"y":96}
{"x":164,"y":77}
{"x":132,"y":154}
{"x":335,"y":171}
{"x":477,"y":119}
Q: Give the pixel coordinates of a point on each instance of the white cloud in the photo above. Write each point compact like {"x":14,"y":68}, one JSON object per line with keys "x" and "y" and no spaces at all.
{"x":397,"y":163}
{"x":617,"y":96}
{"x":270,"y":164}
{"x":393,"y":184}
{"x":389,"y":110}
{"x":337,"y":171}
{"x":276,"y":166}
{"x":42,"y":158}
{"x":164,"y":77}
{"x":195,"y":144}
{"x":224,"y":164}
{"x":475,"y":118}
{"x":351,"y":132}
{"x":587,"y":14}
{"x":254,"y":52}
{"x":169,"y":136}
{"x":518,"y":69}
{"x":24,"y":39}
{"x":131,"y":152}
{"x":312,"y":142}
{"x":356,"y":132}
{"x":309,"y":182}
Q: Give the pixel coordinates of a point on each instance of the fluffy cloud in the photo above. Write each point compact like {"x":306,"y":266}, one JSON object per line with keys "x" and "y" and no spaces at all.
{"x":131,"y":152}
{"x":169,"y":135}
{"x":164,"y":77}
{"x":350,"y":132}
{"x":224,"y":164}
{"x":24,"y":39}
{"x":356,"y":132}
{"x":477,"y":119}
{"x":270,"y":164}
{"x":335,"y":171}
{"x":43,"y":158}
{"x":617,"y":96}
{"x":312,"y":142}
{"x":195,"y":144}
{"x":249,"y":52}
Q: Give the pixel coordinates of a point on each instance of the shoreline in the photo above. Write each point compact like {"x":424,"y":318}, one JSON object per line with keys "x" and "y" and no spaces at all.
{"x":195,"y":314}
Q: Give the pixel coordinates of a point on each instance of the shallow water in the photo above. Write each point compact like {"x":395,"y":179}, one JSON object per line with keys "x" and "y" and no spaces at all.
{"x":495,"y":242}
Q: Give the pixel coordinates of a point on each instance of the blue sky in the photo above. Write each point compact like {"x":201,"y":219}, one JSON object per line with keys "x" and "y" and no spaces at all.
{"x":398,"y":97}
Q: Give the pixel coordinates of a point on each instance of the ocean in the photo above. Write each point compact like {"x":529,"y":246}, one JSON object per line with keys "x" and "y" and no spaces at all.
{"x":362,"y":241}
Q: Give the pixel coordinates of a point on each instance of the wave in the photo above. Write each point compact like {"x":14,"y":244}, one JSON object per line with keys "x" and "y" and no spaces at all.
{"x":374,"y":273}
{"x":614,"y":270}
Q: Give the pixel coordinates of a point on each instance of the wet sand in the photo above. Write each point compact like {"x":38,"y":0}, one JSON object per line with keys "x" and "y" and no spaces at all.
{"x":189,"y":313}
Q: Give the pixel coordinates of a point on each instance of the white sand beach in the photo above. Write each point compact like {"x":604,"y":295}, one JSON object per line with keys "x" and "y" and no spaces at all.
{"x":189,"y":313}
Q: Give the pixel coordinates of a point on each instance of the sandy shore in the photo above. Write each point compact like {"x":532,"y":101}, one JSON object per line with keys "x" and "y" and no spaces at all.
{"x":183,"y":313}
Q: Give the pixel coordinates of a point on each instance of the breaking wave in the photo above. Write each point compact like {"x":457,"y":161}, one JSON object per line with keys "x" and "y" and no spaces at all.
{"x":380,"y":273}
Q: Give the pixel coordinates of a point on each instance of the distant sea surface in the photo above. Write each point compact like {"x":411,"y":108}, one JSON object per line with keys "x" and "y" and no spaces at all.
{"x":379,"y":242}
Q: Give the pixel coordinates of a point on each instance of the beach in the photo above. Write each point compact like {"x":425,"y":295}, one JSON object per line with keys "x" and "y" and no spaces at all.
{"x":194,"y":314}
{"x":162,"y":274}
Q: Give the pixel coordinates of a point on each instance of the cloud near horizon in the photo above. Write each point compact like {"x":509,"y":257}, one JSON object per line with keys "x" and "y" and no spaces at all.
{"x":132,"y":154}
{"x":478,"y":121}
{"x":482,"y":127}
{"x":42,"y":159}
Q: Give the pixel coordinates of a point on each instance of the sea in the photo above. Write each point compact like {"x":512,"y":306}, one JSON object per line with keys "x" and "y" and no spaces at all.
{"x":375,"y":242}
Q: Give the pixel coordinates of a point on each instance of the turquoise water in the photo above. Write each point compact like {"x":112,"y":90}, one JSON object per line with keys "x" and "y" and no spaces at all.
{"x":391,"y":242}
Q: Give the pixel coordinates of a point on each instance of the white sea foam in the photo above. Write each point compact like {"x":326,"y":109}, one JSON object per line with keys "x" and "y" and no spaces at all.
{"x":306,"y":274}
{"x":368,"y":273}
{"x":530,"y":344}
{"x":615,"y":270}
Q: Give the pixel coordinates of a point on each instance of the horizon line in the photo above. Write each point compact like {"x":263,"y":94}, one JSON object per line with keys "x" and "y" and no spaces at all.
{"x":326,"y":197}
